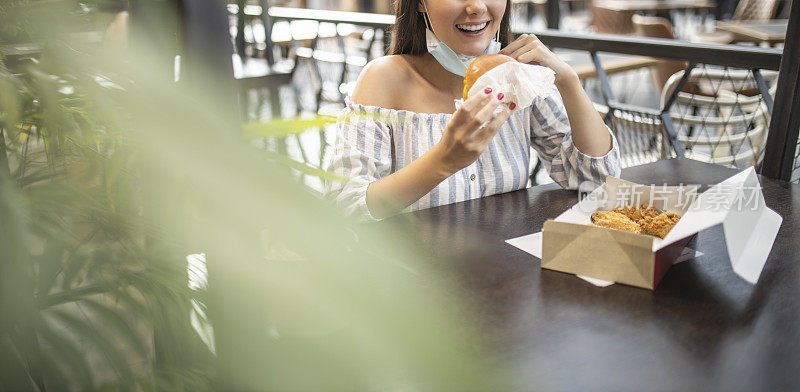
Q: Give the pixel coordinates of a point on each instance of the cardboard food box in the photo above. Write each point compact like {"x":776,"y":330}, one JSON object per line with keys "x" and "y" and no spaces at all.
{"x":569,"y":243}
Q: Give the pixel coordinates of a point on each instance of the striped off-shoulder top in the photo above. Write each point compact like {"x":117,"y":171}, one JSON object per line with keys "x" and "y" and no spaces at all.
{"x":373,"y":142}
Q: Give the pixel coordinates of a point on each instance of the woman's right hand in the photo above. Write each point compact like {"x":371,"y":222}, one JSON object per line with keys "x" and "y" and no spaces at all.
{"x":471,"y":129}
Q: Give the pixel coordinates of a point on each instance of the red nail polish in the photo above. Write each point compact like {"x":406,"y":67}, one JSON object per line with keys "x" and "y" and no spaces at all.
{"x":488,"y":90}
{"x":512,"y":105}
{"x":500,"y":96}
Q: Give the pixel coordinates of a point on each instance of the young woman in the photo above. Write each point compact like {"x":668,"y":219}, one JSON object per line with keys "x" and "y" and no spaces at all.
{"x":404,"y":146}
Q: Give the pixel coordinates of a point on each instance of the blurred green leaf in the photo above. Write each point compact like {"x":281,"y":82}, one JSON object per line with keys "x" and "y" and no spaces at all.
{"x":285,"y":127}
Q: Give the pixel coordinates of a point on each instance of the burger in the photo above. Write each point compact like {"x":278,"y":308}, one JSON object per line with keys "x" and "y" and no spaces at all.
{"x":480,"y":66}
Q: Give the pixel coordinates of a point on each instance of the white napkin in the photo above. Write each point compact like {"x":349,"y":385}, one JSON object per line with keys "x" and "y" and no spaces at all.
{"x":520,"y":83}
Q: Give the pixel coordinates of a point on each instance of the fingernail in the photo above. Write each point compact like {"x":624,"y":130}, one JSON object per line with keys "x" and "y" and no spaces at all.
{"x":512,"y":105}
{"x":500,"y":96}
{"x":488,"y":90}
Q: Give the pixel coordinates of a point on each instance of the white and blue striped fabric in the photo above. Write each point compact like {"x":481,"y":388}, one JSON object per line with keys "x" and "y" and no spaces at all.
{"x":373,"y":142}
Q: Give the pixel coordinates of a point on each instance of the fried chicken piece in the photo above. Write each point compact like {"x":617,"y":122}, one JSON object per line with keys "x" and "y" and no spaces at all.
{"x":638,"y":213}
{"x":643,"y":218}
{"x":660,"y":224}
{"x":615,"y":220}
{"x":602,"y":215}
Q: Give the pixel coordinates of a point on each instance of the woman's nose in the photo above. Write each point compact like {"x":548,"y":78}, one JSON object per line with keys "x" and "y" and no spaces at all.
{"x":475,"y":7}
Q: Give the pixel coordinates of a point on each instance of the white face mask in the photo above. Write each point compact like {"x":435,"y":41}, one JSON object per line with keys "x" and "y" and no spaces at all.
{"x":451,"y":60}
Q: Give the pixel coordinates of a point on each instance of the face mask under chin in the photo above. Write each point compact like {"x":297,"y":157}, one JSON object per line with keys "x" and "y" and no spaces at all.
{"x":451,"y":60}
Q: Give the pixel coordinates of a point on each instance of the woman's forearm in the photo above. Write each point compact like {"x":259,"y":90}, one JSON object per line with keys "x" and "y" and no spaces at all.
{"x":589,"y":132}
{"x":393,"y":193}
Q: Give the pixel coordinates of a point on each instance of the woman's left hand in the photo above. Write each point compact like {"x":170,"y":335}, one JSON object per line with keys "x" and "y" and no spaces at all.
{"x":529,"y":50}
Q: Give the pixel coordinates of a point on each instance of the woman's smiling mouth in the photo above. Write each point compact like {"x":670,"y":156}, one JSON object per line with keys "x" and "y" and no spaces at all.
{"x":472,"y":28}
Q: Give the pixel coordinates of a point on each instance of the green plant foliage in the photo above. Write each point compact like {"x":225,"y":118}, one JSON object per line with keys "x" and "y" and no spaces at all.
{"x":115,"y":174}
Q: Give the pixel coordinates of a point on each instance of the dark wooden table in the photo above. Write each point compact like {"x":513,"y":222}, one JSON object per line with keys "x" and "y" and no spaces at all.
{"x":613,"y":63}
{"x":702,"y":329}
{"x":770,"y":32}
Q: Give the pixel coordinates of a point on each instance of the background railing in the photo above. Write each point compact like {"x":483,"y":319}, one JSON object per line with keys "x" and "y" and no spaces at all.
{"x":717,"y":110}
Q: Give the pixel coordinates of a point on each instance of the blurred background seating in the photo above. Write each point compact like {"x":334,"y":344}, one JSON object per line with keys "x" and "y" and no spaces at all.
{"x":314,"y":51}
{"x":746,"y":10}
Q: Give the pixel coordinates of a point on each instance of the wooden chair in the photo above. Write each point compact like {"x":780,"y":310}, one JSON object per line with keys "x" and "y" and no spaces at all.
{"x":755,"y":10}
{"x":609,"y":21}
{"x":658,"y":27}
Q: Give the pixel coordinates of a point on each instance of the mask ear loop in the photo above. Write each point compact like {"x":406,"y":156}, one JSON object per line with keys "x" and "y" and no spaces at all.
{"x":426,"y":17}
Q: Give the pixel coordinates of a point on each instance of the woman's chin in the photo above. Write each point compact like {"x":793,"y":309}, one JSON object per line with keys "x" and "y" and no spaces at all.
{"x":473,"y":51}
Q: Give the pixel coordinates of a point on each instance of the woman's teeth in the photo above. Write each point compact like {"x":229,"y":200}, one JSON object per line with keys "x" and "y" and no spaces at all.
{"x":466,"y":27}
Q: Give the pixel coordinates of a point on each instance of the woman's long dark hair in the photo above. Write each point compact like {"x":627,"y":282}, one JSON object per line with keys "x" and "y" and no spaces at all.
{"x":408,"y":34}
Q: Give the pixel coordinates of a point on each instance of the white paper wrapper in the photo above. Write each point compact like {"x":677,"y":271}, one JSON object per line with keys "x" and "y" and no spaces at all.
{"x":520,"y":83}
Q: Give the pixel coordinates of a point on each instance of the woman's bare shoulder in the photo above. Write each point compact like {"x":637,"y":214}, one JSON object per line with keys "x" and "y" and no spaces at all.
{"x":383,"y":81}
